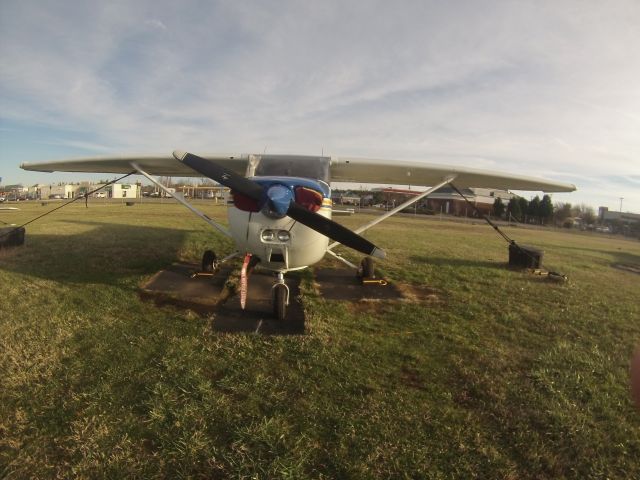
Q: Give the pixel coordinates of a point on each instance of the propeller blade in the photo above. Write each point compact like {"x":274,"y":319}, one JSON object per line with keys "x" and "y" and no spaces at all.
{"x":333,"y":230}
{"x":222,"y":175}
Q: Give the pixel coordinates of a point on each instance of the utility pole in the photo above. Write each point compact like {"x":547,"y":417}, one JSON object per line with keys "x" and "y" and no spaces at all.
{"x":621,"y":198}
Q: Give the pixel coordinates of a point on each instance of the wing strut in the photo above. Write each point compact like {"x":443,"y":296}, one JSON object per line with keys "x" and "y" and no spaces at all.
{"x":399,"y":208}
{"x":342,"y":259}
{"x":179,"y":198}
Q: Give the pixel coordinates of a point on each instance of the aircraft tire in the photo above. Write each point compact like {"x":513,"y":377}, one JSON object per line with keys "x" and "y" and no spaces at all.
{"x":280,"y":302}
{"x":208,"y":261}
{"x":367,"y":267}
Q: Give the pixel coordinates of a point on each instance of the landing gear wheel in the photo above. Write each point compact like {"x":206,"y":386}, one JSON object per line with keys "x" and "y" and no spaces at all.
{"x":209,"y":261}
{"x":280,"y":302}
{"x":366,"y":268}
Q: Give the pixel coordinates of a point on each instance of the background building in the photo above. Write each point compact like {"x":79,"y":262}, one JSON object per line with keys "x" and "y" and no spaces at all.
{"x":620,"y":222}
{"x":448,"y":201}
{"x":124,"y":190}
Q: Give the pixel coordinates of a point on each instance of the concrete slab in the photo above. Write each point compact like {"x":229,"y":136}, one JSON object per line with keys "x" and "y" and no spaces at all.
{"x":258,"y":315}
{"x":214,"y":296}
{"x":175,"y":287}
{"x":342,"y":284}
{"x":207,"y":295}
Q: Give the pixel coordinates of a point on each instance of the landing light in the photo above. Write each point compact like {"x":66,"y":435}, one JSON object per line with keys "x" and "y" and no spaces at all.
{"x":275,"y":236}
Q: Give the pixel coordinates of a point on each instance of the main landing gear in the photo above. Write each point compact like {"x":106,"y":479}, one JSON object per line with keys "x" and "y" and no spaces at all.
{"x":367,"y":275}
{"x":366,"y":269}
{"x":280,"y":298}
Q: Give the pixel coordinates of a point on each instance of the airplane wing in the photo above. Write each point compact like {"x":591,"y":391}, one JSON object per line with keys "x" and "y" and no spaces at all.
{"x":160,"y":165}
{"x":343,"y":169}
{"x":400,"y":172}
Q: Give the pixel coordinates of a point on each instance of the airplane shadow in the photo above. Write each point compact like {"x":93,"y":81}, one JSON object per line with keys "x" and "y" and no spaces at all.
{"x":103,"y":253}
{"x":117,"y":254}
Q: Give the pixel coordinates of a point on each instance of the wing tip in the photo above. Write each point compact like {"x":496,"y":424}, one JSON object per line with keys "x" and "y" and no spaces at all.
{"x":29,"y":166}
{"x":378,"y":253}
{"x":566,"y":188}
{"x":179,"y":154}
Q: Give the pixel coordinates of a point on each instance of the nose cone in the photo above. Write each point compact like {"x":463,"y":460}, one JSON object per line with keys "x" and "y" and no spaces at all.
{"x":280,"y":198}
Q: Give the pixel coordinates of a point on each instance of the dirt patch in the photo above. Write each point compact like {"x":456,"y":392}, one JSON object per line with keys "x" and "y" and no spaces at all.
{"x":410,"y":377}
{"x":627,"y":267}
{"x":342,"y":284}
{"x":374,"y":306}
{"x":421,"y":294}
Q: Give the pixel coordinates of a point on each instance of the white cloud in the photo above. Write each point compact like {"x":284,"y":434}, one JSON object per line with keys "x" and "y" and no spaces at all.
{"x":532,"y":87}
{"x":155,"y":23}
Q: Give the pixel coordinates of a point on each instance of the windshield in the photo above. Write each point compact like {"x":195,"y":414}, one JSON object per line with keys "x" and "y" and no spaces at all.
{"x":316,"y":168}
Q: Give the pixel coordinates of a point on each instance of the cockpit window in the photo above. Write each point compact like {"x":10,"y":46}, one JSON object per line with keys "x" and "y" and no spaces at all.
{"x":316,"y":168}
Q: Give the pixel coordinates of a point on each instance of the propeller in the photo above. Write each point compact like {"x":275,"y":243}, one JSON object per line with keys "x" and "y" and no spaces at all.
{"x":253,"y":190}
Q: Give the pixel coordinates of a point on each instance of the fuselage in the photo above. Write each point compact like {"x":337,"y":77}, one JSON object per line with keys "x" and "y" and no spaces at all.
{"x":281,"y":243}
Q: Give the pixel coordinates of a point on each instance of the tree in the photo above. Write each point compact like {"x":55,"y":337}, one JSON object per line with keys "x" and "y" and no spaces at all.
{"x":534,"y":208}
{"x":546,"y":209}
{"x":498,"y":207}
{"x":561,"y":212}
{"x":514,"y":208}
{"x":588,"y":215}
{"x":524,"y":208}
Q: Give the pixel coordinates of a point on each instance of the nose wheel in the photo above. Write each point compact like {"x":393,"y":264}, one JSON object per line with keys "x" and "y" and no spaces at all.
{"x":209,"y":261}
{"x":280,"y":298}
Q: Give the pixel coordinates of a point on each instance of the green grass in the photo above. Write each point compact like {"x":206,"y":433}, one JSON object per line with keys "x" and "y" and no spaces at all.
{"x":501,"y":375}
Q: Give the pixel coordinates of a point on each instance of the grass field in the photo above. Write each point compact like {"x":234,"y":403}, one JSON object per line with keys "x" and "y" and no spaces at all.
{"x":498,"y":374}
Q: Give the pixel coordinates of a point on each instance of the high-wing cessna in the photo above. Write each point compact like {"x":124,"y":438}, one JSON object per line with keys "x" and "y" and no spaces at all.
{"x":281,"y":213}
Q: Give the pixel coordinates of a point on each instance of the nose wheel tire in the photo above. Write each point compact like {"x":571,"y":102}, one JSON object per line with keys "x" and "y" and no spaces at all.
{"x":209,"y":261}
{"x":280,"y":301}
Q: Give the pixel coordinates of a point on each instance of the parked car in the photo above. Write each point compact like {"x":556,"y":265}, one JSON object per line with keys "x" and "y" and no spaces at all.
{"x":3,"y":199}
{"x":100,"y":195}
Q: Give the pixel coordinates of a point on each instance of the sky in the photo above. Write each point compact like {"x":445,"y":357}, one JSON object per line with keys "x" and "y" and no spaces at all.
{"x":541,"y":88}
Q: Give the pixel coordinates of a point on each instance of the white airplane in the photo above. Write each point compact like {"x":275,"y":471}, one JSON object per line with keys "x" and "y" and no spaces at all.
{"x":281,"y":213}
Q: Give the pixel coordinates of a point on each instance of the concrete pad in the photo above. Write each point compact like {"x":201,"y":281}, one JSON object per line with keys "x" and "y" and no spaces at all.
{"x":174,"y":286}
{"x":208,"y":296}
{"x":258,"y":314}
{"x":342,"y":284}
